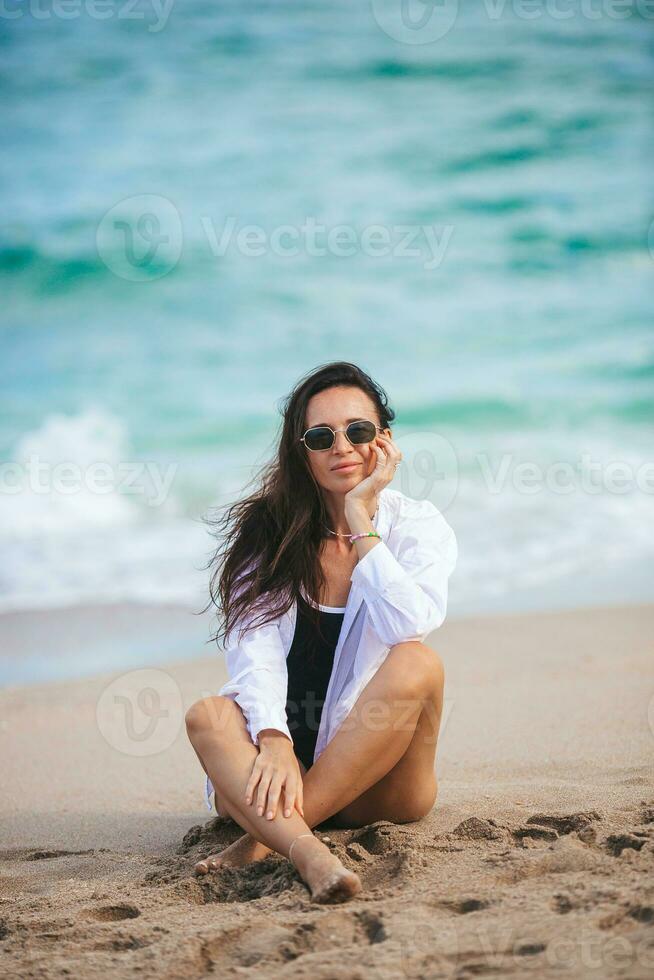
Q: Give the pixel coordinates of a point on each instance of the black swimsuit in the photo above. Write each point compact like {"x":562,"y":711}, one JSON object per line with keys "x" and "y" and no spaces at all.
{"x":309,"y":664}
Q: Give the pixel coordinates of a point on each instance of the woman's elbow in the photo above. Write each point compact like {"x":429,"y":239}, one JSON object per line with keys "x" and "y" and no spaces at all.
{"x":414,"y":628}
{"x":433,"y":617}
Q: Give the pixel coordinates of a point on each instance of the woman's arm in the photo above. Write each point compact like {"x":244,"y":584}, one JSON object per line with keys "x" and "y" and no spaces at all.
{"x":407,"y":595}
{"x":258,"y":678}
{"x":256,"y":662}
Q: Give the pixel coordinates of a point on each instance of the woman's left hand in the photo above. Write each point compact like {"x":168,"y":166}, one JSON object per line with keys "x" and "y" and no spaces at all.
{"x":388,"y":459}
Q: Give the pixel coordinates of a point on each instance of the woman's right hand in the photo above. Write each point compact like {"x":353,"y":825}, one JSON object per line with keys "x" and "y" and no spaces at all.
{"x":275,"y":772}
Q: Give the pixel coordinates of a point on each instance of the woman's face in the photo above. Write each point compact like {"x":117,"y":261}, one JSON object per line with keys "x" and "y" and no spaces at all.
{"x":342,"y":467}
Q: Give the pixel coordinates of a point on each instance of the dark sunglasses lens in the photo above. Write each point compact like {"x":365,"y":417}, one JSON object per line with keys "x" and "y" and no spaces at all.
{"x":319,"y":438}
{"x":360,"y":432}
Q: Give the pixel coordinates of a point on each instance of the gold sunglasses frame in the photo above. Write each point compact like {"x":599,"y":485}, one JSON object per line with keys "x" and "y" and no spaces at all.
{"x":344,"y":429}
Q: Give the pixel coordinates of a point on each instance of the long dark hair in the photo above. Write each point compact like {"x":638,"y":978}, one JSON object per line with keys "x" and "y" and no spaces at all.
{"x":269,"y":542}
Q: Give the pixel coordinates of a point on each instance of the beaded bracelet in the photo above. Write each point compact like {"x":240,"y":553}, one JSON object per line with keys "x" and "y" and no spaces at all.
{"x":364,"y":534}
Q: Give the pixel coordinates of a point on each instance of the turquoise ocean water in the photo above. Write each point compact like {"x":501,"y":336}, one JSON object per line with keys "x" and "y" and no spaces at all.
{"x":495,"y":274}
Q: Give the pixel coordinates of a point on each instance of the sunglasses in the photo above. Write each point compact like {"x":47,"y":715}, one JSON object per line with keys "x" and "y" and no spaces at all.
{"x":321,"y":437}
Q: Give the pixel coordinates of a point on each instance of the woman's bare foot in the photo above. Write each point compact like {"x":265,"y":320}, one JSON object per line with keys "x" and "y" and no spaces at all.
{"x":243,"y":851}
{"x":328,"y":880}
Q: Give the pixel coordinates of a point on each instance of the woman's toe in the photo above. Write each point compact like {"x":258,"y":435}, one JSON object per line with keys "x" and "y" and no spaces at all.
{"x":209,"y":864}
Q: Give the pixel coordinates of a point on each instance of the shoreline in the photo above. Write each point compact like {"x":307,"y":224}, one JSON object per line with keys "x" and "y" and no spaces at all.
{"x":94,"y":639}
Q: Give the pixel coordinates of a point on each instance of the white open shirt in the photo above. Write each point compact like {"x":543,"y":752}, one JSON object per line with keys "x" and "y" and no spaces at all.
{"x":399,"y":592}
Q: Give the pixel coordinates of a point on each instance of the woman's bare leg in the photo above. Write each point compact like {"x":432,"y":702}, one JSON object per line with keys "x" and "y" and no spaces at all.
{"x":218,"y":733}
{"x":380,"y":764}
{"x":408,"y":790}
{"x":242,"y":851}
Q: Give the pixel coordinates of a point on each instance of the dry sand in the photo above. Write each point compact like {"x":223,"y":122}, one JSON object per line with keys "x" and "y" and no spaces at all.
{"x":536,"y":859}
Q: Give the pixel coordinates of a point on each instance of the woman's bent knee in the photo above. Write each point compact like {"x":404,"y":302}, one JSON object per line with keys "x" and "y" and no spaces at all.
{"x":419,"y":807}
{"x":420,"y":667}
{"x":210,"y":714}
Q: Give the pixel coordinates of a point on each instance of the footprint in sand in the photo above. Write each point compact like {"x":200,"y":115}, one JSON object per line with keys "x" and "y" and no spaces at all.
{"x":378,"y":838}
{"x":46,"y":855}
{"x":535,"y":833}
{"x":122,"y":944}
{"x":466,"y":905}
{"x":617,"y":843}
{"x":569,"y":823}
{"x":564,"y":855}
{"x":274,"y":944}
{"x":549,"y":827}
{"x":115,"y":913}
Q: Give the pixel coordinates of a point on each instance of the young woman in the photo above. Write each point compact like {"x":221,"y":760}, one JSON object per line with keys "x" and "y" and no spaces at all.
{"x":328,"y":582}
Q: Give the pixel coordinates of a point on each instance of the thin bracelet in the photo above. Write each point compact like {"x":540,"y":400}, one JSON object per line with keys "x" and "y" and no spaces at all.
{"x":290,"y":850}
{"x":364,"y":534}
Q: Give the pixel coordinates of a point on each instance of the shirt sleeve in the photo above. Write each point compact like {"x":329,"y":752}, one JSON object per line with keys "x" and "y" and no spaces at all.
{"x":407,"y":595}
{"x":258,"y":678}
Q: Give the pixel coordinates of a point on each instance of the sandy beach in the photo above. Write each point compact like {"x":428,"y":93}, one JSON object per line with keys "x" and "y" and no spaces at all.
{"x":536,"y":859}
